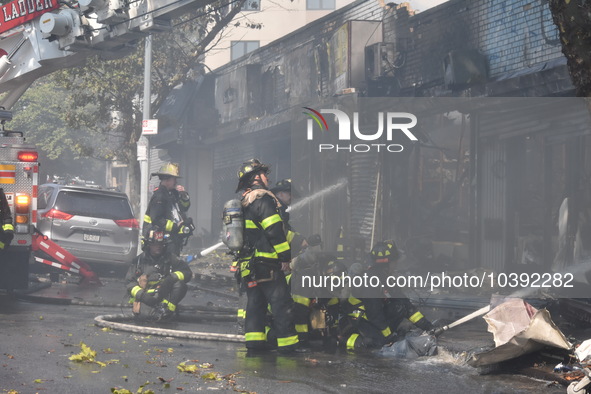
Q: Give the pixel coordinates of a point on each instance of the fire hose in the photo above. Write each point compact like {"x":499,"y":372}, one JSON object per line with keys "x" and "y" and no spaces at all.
{"x":109,"y":321}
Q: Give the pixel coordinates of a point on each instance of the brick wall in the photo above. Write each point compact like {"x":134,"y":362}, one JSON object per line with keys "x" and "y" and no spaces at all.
{"x":513,"y":35}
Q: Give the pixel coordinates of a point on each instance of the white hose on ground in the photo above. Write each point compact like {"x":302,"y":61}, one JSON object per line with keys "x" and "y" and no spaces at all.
{"x":105,"y":321}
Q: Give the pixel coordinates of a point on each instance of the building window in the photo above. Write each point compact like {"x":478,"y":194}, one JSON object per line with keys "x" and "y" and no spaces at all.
{"x":241,"y":48}
{"x":320,"y":4}
{"x":251,"y":5}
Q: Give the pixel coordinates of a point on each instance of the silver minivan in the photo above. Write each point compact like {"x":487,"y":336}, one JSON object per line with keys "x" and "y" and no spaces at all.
{"x":95,"y":225}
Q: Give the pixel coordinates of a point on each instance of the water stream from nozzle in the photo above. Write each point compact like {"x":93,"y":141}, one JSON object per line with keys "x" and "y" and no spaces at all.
{"x":321,"y":193}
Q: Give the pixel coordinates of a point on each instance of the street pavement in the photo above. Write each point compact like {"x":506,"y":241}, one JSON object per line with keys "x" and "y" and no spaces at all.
{"x":42,"y":330}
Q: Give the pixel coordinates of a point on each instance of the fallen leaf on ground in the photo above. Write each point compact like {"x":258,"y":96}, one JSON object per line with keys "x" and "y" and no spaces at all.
{"x":86,"y":354}
{"x":186,"y":368}
{"x":210,"y":376}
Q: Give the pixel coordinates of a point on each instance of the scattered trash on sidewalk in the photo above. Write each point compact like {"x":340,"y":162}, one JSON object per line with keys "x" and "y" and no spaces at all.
{"x":518,"y":329}
{"x":412,"y":346}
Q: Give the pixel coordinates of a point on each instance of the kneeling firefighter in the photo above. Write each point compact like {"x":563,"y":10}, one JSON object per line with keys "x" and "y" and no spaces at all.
{"x":157,"y":280}
{"x":371,"y":321}
{"x":263,"y":258}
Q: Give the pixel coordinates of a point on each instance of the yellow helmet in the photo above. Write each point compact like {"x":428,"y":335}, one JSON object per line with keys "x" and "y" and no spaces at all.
{"x":168,"y":169}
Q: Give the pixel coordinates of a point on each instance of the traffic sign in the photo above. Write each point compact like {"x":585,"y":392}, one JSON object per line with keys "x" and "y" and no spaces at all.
{"x":150,"y":127}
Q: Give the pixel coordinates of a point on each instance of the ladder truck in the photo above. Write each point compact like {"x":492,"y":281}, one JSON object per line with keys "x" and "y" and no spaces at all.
{"x":38,"y":37}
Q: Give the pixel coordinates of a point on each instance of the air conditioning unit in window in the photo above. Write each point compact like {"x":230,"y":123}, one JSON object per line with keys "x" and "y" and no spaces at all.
{"x":380,"y":60}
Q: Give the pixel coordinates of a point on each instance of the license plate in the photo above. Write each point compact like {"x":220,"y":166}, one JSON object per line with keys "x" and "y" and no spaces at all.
{"x":92,"y":238}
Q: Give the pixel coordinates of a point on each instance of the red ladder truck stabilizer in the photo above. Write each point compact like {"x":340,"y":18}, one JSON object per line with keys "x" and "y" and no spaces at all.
{"x":65,"y":260}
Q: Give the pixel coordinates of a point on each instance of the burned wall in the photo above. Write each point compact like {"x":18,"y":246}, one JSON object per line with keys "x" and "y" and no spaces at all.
{"x":511,"y":35}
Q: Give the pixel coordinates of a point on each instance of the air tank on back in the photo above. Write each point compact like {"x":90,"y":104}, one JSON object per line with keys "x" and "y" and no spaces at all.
{"x":233,"y":225}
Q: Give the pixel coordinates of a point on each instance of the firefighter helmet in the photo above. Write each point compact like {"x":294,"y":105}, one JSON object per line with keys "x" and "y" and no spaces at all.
{"x":156,"y":236}
{"x":385,"y":252}
{"x":284,"y":185}
{"x":168,"y":169}
{"x":248,"y":170}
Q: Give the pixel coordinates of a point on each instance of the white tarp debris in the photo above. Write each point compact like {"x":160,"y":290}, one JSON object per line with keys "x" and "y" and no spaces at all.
{"x":518,"y":329}
{"x":584,"y":350}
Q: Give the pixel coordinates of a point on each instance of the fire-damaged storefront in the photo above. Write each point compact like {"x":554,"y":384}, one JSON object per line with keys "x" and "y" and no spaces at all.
{"x":489,"y":182}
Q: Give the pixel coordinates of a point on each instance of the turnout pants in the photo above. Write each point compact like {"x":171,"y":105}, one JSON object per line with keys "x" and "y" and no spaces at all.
{"x":274,"y":292}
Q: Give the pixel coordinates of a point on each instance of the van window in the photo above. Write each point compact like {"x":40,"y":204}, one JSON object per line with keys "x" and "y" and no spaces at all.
{"x":93,"y":205}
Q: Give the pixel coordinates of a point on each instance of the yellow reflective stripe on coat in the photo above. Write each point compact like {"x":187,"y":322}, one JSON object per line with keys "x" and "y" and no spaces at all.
{"x":169,"y":224}
{"x":289,"y":236}
{"x":255,"y":336}
{"x":135,"y":290}
{"x":171,"y":307}
{"x":301,"y":328}
{"x":288,"y":341}
{"x":282,"y":247}
{"x":272,"y":255}
{"x":241,"y":313}
{"x":302,"y":300}
{"x":147,"y":219}
{"x":179,"y":275}
{"x":416,"y":317}
{"x":354,"y":301}
{"x":386,"y":331}
{"x":244,"y":270}
{"x":1,"y":245}
{"x":333,"y":301}
{"x":8,"y":227}
{"x":250,"y":224}
{"x":351,"y":341}
{"x":270,"y":221}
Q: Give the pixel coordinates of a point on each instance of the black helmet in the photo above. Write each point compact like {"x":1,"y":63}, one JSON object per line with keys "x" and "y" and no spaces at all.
{"x":248,"y":170}
{"x":384,"y":252}
{"x":283,"y":185}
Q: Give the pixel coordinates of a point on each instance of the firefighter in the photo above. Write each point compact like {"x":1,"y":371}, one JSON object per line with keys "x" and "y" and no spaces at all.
{"x":371,"y":321}
{"x":283,"y":192}
{"x":315,"y":316}
{"x":263,"y":259}
{"x":6,"y":229}
{"x":158,"y":278}
{"x":167,"y":208}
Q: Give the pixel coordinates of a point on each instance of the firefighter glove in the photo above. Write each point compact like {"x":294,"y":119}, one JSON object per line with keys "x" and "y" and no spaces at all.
{"x":165,"y":285}
{"x":148,"y":299}
{"x":142,"y":296}
{"x":5,"y":238}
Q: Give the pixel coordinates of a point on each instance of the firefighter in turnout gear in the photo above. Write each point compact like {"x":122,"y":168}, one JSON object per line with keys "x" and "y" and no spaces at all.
{"x":157,"y":281}
{"x":283,"y":192}
{"x":263,"y":259}
{"x":6,"y":227}
{"x":371,"y":321}
{"x":167,"y":209}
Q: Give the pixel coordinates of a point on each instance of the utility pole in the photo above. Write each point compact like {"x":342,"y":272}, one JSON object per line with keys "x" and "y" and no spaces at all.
{"x":143,"y":144}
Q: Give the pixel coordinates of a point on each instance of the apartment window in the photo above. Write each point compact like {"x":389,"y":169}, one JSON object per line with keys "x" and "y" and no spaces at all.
{"x":241,"y":48}
{"x":251,"y":5}
{"x":320,"y":4}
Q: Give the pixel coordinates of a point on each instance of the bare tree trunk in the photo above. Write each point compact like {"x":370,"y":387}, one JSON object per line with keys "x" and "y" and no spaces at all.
{"x":573,"y":19}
